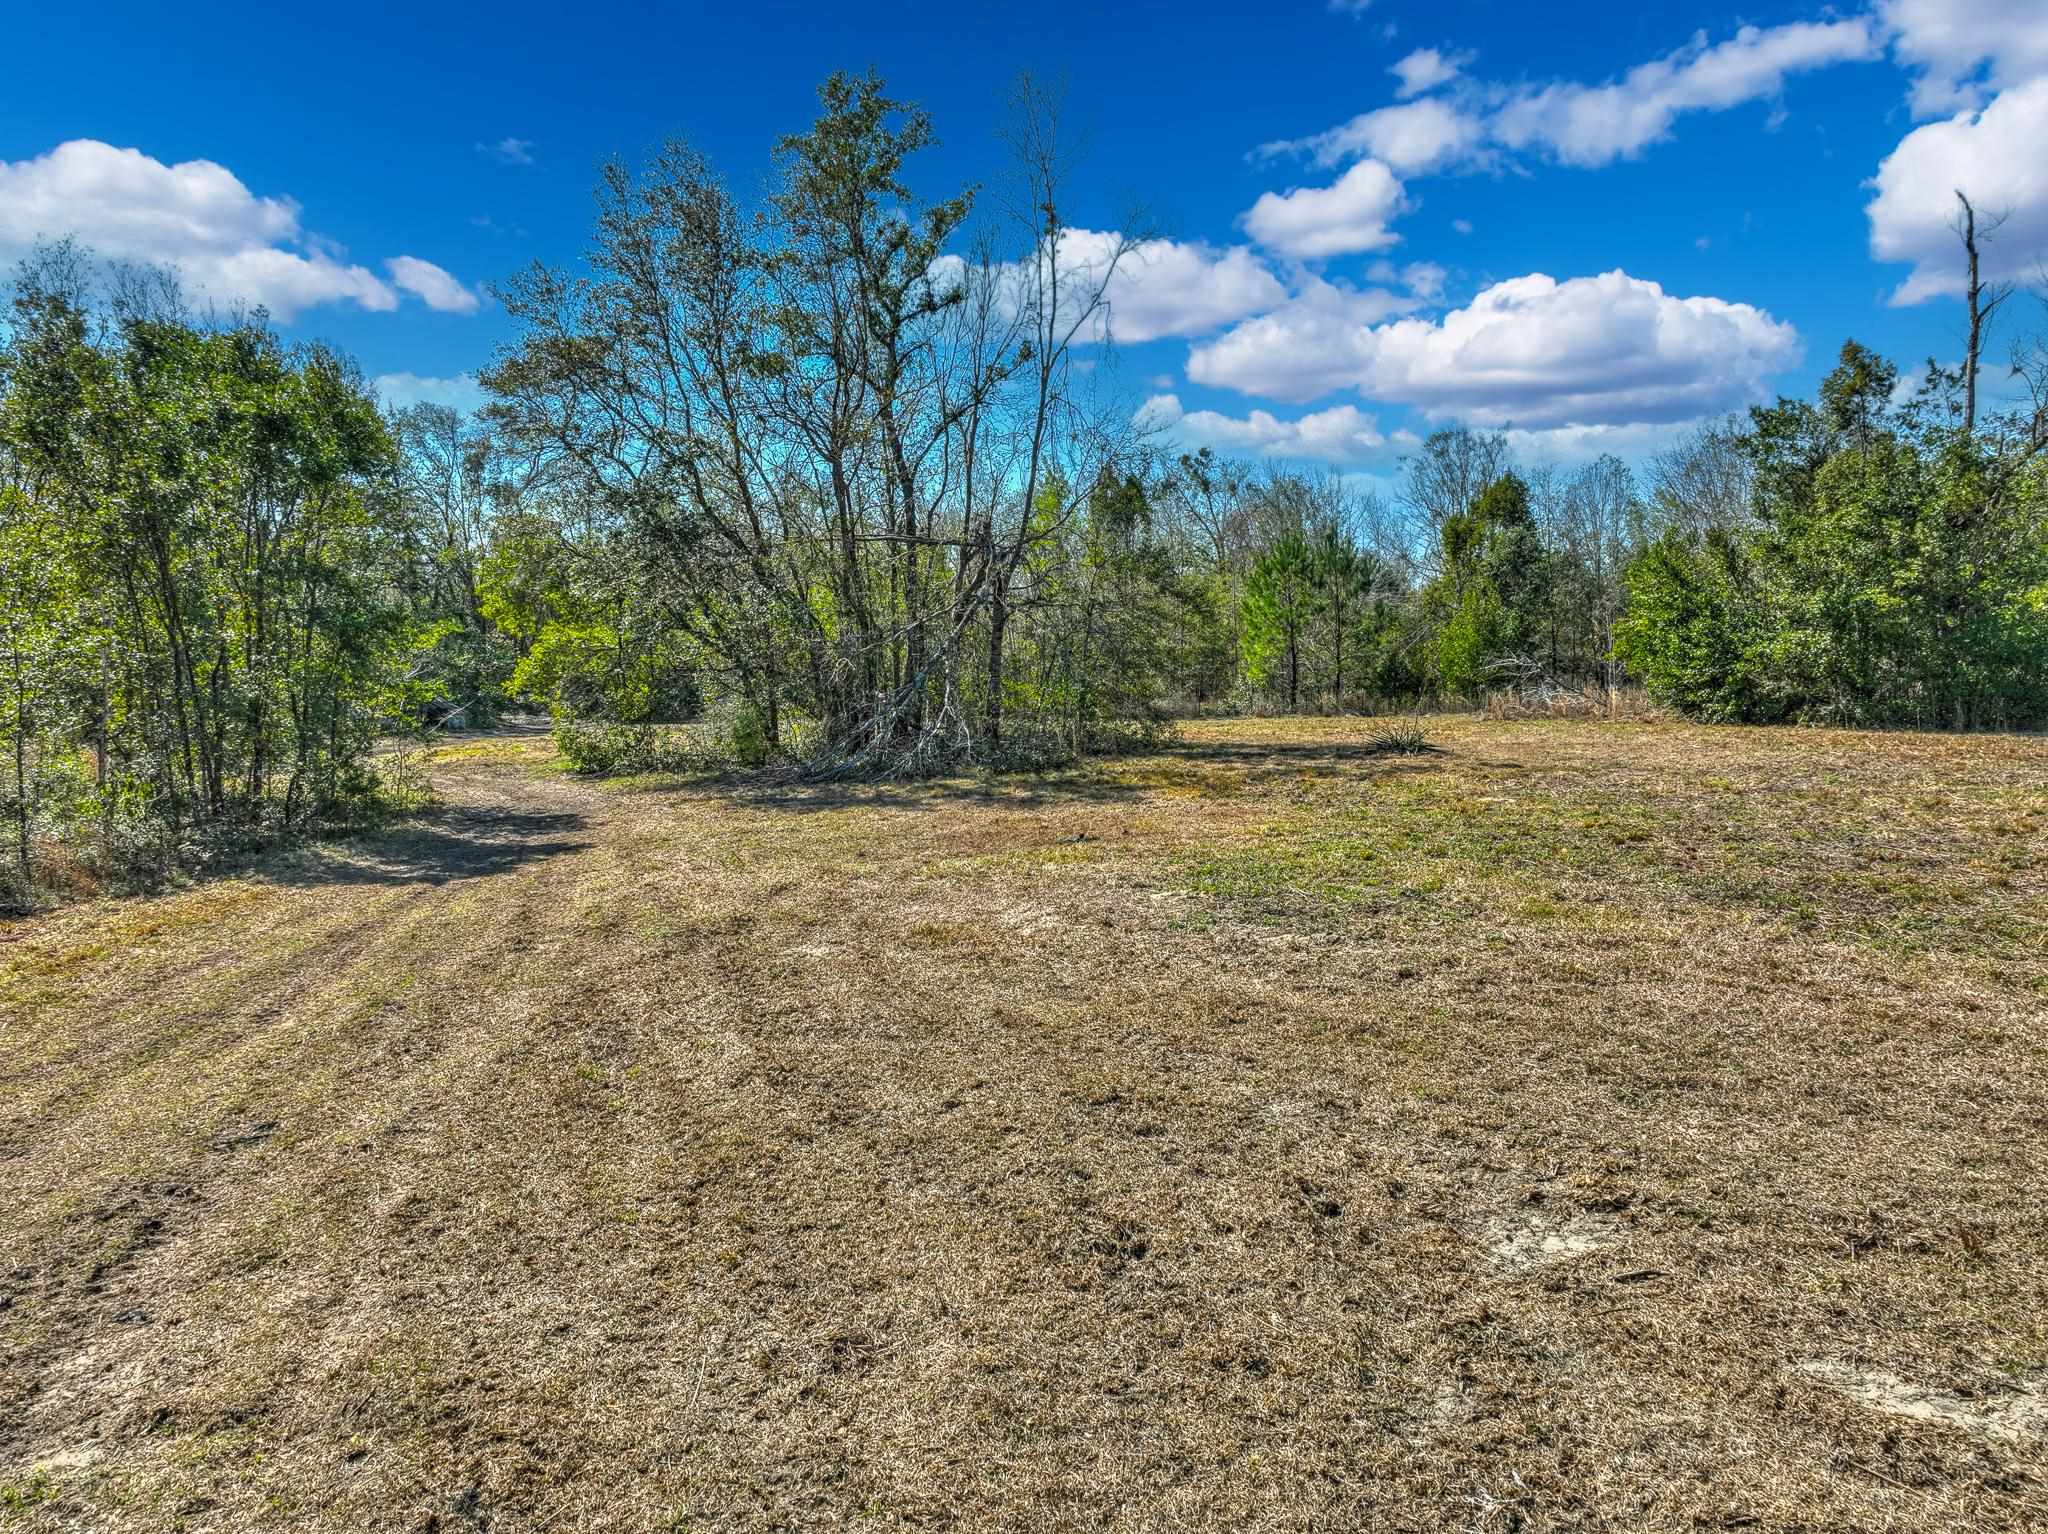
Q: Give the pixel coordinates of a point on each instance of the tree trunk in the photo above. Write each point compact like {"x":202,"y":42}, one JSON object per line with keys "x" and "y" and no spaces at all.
{"x":1983,"y":302}
{"x":20,"y":768}
{"x":998,"y":619}
{"x":1338,"y":658}
{"x":1975,"y":293}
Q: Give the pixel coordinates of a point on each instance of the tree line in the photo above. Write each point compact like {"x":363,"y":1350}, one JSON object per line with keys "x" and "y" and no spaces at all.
{"x":841,"y":473}
{"x":201,"y":624}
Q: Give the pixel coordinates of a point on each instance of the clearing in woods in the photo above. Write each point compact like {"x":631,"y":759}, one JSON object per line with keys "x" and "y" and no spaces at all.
{"x":1630,"y":1127}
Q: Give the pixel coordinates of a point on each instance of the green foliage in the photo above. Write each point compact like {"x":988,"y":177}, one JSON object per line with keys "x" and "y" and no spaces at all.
{"x":594,"y":671}
{"x":607,"y":749}
{"x":201,"y":580}
{"x":454,"y":495}
{"x":1110,"y":606}
{"x":760,"y":458}
{"x":1200,"y":649}
{"x":1894,"y":574}
{"x":749,"y":735}
{"x":1281,"y":599}
{"x":1695,"y":631}
{"x":1490,"y":603}
{"x":1474,"y":635}
{"x":405,"y":782}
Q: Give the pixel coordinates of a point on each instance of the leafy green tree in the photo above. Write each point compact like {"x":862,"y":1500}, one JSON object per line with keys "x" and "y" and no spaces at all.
{"x":1696,"y":630}
{"x":1282,"y":596}
{"x":205,"y":578}
{"x":1490,"y":601}
{"x":1893,"y":571}
{"x":453,"y":486}
{"x":1344,"y":578}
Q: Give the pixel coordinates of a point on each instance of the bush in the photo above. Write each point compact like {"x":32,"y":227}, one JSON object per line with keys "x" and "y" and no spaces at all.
{"x":610,"y":750}
{"x":404,"y":781}
{"x":1128,"y":737}
{"x":1547,"y":699}
{"x":749,"y":737}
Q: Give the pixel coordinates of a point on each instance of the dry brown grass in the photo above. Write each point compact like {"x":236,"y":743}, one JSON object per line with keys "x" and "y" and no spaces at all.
{"x":1591,"y":1126}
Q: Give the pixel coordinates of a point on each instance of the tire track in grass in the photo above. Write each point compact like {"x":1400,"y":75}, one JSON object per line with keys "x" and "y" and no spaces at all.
{"x":243,"y":1136}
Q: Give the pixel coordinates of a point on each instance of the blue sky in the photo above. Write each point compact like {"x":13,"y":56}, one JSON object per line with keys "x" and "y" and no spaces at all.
{"x":1588,"y":223}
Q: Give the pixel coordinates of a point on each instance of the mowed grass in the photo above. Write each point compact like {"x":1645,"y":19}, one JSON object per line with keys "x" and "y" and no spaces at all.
{"x":1587,"y":1126}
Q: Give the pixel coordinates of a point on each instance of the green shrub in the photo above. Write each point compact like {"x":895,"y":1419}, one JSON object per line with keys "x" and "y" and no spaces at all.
{"x":405,"y":783}
{"x":749,"y":737}
{"x":602,"y":749}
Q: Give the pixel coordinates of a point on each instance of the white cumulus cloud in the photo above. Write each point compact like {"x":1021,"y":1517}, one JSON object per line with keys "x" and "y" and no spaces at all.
{"x":1533,"y":352}
{"x":227,"y":244}
{"x":1175,"y":287}
{"x":1317,"y":342}
{"x":1343,"y":434}
{"x":1966,"y":49}
{"x":1311,"y":222}
{"x":431,"y":285}
{"x":1413,"y":138}
{"x":1996,"y":156}
{"x":1158,"y":287}
{"x":1569,"y":446}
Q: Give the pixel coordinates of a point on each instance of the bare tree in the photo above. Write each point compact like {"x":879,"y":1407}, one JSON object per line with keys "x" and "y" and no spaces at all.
{"x":1601,"y":523}
{"x":1062,"y":295}
{"x":1705,"y":480}
{"x":1207,"y":495}
{"x":1984,"y":300}
{"x":1450,"y":473}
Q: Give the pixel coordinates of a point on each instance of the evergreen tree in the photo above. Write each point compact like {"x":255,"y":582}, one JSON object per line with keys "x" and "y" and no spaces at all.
{"x":1282,"y":598}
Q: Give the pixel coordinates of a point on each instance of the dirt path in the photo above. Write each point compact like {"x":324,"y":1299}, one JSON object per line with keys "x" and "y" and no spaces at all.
{"x":655,"y":1158}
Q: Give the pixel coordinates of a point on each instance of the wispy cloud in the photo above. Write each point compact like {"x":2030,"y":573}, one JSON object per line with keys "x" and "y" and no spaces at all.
{"x":1425,"y":69}
{"x":462,"y":392}
{"x":1476,"y":122}
{"x":509,"y":151}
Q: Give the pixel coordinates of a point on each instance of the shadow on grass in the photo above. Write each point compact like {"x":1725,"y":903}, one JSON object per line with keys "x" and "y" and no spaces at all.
{"x":1005,"y":791}
{"x":1097,"y":781}
{"x":439,"y":847}
{"x":1284,"y":754}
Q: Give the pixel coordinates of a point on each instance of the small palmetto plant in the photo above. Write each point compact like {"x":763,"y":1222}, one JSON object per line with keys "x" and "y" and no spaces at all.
{"x":1398,"y":737}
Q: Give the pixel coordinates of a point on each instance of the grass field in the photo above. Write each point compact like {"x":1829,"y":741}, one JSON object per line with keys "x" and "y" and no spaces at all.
{"x":1583,"y":1126}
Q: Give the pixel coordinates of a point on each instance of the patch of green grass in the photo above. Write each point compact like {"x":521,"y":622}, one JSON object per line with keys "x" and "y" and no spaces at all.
{"x":1179,"y":779}
{"x":29,"y":1491}
{"x":491,"y":750}
{"x":44,"y":971}
{"x":1852,"y":870}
